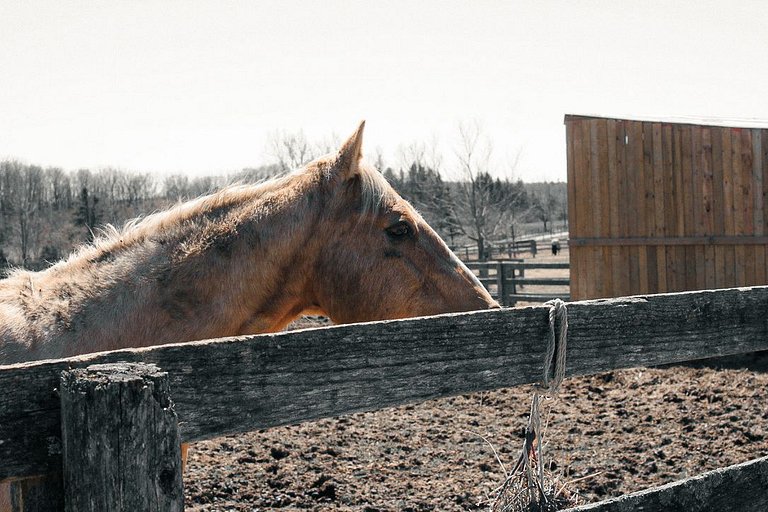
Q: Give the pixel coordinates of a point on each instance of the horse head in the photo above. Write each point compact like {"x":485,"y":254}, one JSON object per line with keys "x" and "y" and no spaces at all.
{"x":378,"y":259}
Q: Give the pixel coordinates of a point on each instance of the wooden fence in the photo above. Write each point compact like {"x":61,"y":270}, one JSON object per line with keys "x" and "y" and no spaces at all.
{"x":658,"y":206}
{"x":505,"y":280}
{"x":499,"y":248}
{"x":236,"y":385}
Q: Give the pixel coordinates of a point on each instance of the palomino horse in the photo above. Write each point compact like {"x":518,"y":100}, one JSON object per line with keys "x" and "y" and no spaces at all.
{"x":332,"y":238}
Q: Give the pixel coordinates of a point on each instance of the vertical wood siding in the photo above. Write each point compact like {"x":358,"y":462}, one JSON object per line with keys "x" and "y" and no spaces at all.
{"x":663,"y":206}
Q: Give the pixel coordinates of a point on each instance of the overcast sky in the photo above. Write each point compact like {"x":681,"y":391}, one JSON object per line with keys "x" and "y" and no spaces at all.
{"x":196,"y":86}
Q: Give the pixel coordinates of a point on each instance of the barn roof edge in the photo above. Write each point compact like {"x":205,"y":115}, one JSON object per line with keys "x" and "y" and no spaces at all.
{"x":690,"y":120}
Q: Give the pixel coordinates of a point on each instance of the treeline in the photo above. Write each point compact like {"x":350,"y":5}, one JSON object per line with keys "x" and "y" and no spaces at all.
{"x":473,"y":207}
{"x":482,"y":209}
{"x":46,"y":212}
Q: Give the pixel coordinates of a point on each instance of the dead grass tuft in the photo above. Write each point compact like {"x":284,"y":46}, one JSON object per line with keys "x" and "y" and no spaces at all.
{"x":531,"y":486}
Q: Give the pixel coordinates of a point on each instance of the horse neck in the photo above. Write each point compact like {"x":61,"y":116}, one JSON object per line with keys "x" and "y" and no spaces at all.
{"x":210,"y":278}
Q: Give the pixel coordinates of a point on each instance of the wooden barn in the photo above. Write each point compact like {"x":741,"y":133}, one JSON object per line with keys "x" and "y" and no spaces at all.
{"x":659,"y":206}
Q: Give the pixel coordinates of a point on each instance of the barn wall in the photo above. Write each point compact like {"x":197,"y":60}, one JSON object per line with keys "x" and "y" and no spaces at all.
{"x":660,"y":206}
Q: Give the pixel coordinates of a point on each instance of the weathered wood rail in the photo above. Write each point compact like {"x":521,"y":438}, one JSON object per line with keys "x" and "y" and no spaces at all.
{"x":235,"y":385}
{"x":504,"y":279}
{"x":741,"y":487}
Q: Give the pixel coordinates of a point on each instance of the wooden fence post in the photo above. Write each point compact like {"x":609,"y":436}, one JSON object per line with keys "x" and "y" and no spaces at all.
{"x":121,"y":446}
{"x":500,"y":283}
{"x":511,"y":286}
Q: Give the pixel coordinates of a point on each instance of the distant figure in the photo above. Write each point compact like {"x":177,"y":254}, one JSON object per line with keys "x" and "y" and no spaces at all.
{"x":555,"y":246}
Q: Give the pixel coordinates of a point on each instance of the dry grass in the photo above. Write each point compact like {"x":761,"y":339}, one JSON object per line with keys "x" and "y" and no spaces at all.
{"x":531,"y":485}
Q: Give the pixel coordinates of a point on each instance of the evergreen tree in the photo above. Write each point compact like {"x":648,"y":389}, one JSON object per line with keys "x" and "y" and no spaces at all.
{"x":425,"y":189}
{"x":87,"y":213}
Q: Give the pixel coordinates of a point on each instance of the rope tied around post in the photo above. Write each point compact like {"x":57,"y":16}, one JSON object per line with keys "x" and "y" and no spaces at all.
{"x":556,"y":346}
{"x":528,"y":473}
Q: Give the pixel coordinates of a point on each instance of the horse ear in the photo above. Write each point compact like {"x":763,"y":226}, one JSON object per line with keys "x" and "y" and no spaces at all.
{"x":347,"y":162}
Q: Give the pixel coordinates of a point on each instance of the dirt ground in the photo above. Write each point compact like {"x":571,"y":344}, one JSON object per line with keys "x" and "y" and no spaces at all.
{"x":610,"y":434}
{"x":606,"y":435}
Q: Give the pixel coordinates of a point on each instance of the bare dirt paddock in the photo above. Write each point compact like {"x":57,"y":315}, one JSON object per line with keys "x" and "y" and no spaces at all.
{"x":612,"y":434}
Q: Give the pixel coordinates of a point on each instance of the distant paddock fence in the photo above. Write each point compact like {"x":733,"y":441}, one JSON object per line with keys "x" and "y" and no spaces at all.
{"x":506,"y":281}
{"x":499,"y":248}
{"x":113,"y":430}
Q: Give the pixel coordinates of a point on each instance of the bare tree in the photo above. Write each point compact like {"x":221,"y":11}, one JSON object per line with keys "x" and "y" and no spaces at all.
{"x":544,"y":208}
{"x":140,"y":187}
{"x":410,"y":154}
{"x":255,"y":174}
{"x":423,"y":154}
{"x":483,"y":204}
{"x":421,"y":183}
{"x":326,"y":145}
{"x":291,"y":150}
{"x":22,"y":204}
{"x":549,"y":203}
{"x":109,"y":184}
{"x":176,"y":187}
{"x":60,"y":193}
{"x":378,"y":159}
{"x":202,"y":185}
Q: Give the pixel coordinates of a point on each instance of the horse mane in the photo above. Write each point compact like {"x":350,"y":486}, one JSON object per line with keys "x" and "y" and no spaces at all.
{"x":374,"y":189}
{"x":110,"y":237}
{"x":374,"y":192}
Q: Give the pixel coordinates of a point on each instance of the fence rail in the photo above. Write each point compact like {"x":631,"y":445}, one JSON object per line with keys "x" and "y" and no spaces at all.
{"x":241,"y":384}
{"x":499,"y":248}
{"x":504,"y":279}
{"x":741,"y":487}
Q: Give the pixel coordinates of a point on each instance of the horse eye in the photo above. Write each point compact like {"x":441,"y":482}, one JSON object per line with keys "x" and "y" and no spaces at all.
{"x":399,"y":230}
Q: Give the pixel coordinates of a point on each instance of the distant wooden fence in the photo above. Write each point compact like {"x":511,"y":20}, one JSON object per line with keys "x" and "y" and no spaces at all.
{"x":499,"y":248}
{"x":658,"y":206}
{"x":505,"y":280}
{"x":235,"y":385}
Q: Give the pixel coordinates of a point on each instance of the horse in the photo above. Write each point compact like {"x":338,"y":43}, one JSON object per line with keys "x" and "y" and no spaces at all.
{"x":332,"y":238}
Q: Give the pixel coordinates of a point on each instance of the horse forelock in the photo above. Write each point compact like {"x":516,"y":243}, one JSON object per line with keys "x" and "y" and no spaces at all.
{"x":375,"y":191}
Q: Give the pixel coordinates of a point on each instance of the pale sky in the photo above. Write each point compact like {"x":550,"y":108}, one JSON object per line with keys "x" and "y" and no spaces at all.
{"x":196,"y":86}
